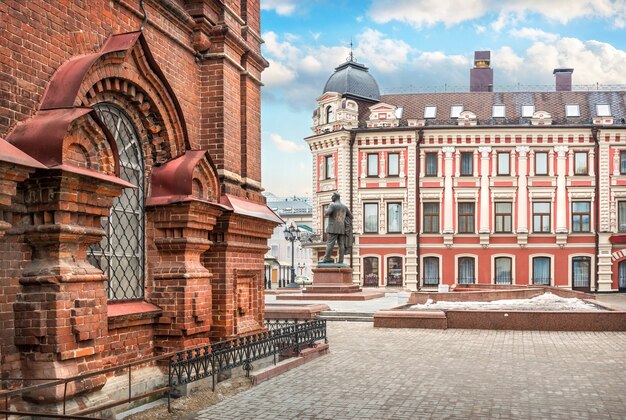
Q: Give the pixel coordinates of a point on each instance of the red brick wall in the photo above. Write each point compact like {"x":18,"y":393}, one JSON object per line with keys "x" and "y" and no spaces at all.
{"x":221,"y":109}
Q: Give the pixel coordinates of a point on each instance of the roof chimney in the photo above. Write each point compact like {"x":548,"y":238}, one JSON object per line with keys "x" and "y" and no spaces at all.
{"x":563,"y":79}
{"x":481,"y":76}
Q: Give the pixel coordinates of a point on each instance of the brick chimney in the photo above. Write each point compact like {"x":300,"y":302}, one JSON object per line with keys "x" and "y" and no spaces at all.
{"x":481,"y":76}
{"x":563,"y":79}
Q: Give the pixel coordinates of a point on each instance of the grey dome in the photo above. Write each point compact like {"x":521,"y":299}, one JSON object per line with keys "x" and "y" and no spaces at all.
{"x":353,"y":79}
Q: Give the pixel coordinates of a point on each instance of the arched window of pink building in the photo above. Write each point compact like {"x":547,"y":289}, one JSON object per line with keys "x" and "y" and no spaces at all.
{"x":370,"y":271}
{"x":503,"y":267}
{"x":466,"y":270}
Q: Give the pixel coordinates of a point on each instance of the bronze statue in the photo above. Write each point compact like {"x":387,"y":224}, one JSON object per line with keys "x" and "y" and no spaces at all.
{"x":339,"y":229}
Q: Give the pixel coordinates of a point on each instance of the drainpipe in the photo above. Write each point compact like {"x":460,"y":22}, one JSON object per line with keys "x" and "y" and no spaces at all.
{"x":352,"y":141}
{"x":596,"y":158}
{"x":418,"y":213}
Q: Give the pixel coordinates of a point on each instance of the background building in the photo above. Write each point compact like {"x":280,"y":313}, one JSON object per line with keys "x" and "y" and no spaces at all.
{"x":475,"y":187}
{"x":130,"y":183}
{"x":296,"y":211}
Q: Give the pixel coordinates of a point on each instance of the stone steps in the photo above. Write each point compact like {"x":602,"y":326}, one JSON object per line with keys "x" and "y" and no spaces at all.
{"x":347,"y":316}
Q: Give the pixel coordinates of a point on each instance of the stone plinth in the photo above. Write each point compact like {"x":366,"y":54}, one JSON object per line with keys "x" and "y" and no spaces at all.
{"x":333,"y":282}
{"x":333,"y":278}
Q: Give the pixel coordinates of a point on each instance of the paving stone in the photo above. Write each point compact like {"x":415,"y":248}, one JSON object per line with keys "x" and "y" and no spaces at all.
{"x":445,"y":374}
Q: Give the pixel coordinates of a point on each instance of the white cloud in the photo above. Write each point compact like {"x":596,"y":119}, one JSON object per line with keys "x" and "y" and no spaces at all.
{"x":592,"y":61}
{"x":282,"y":7}
{"x":533,"y":34}
{"x":440,"y":59}
{"x":479,"y":28}
{"x":315,"y":35}
{"x":277,"y":74}
{"x":380,"y":52}
{"x":425,"y":13}
{"x":286,"y":146}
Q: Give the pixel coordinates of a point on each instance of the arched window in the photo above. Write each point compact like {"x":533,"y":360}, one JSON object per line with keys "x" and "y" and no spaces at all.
{"x":120,"y":254}
{"x":503,"y":266}
{"x":581,"y":273}
{"x":329,"y":114}
{"x":466,"y":270}
{"x":370,"y":271}
{"x":431,"y":271}
{"x":621,"y":275}
{"x":394,"y":271}
{"x":541,"y":271}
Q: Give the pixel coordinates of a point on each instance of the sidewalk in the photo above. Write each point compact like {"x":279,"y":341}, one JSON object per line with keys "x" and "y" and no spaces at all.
{"x":391,"y":299}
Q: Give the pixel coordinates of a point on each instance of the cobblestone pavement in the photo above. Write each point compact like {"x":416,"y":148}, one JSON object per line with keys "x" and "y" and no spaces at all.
{"x":455,"y":374}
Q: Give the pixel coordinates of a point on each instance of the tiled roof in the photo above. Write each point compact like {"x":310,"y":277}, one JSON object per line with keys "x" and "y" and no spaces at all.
{"x":481,"y":103}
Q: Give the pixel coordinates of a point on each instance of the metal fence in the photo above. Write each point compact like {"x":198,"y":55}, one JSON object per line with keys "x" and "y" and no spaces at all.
{"x":283,"y":337}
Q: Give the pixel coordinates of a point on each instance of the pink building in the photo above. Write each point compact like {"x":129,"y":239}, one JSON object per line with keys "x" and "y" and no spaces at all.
{"x":476,"y":187}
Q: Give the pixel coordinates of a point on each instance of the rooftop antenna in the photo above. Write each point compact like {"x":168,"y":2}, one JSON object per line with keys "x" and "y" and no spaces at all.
{"x":351,"y":56}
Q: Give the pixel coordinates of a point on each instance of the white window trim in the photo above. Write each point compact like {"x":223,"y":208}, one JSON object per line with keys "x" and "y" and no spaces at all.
{"x":452,"y":114}
{"x":422,"y":257}
{"x":498,"y":107}
{"x":598,"y":107}
{"x":434,"y":113}
{"x":456,"y":267}
{"x":528,"y":115}
{"x":530,"y":268}
{"x":570,"y":272}
{"x":402,"y":257}
{"x":493,"y":267}
{"x":568,"y":107}
{"x":363,"y":267}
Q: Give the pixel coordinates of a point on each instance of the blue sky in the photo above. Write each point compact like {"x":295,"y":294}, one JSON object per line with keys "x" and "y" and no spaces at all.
{"x":417,"y":45}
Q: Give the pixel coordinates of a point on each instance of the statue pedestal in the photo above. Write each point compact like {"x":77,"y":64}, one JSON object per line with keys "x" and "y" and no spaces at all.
{"x":332,"y":278}
{"x":333,"y":282}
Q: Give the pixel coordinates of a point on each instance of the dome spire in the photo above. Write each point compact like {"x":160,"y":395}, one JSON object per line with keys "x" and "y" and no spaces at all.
{"x":351,"y":58}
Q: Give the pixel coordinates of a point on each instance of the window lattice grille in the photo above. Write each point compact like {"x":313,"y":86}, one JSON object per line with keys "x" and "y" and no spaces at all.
{"x":120,"y":254}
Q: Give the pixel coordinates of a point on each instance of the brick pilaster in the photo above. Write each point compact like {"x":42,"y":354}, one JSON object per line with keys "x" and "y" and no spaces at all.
{"x":61,"y":310}
{"x":182,"y":285}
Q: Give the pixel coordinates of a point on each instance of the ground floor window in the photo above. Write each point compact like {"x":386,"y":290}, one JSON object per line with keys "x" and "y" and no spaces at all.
{"x":370,"y":271}
{"x":466,"y":270}
{"x":431,"y":271}
{"x":394,"y":271}
{"x":541,"y":271}
{"x":503,"y":267}
{"x":621,"y":274}
{"x":581,"y":272}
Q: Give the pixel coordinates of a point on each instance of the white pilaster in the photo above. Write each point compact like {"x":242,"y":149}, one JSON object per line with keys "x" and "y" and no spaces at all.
{"x":494,"y":163}
{"x":475,"y":164}
{"x":484,"y":189}
{"x":522,"y":185}
{"x":570,"y":166}
{"x":531,"y":164}
{"x":560,"y":206}
{"x":457,"y":161}
{"x":551,"y":162}
{"x":512,"y":163}
{"x":439,"y":163}
{"x":447,"y":190}
{"x":422,"y":164}
{"x":591,"y":163}
{"x":616,"y":167}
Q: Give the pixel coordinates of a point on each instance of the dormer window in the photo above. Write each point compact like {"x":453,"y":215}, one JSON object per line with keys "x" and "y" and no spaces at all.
{"x":455,"y":111}
{"x":603,"y":110}
{"x":498,"y":111}
{"x":329,"y":114}
{"x":572,"y":110}
{"x":430,"y":112}
{"x":528,"y":111}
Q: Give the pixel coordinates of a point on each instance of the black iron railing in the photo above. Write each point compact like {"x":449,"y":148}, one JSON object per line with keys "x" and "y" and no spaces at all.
{"x":284,"y":337}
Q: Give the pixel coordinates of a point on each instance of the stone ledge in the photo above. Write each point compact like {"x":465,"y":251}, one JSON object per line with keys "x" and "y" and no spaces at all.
{"x":411,"y":319}
{"x":294,"y":311}
{"x":130,"y":314}
{"x":306,"y":355}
